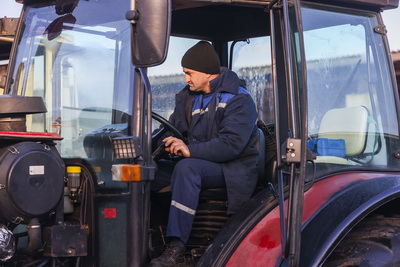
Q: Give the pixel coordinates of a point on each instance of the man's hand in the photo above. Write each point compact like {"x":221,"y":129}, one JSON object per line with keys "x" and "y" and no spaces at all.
{"x":176,"y":146}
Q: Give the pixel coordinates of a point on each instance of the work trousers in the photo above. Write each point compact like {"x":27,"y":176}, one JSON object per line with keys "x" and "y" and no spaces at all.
{"x":186,"y":178}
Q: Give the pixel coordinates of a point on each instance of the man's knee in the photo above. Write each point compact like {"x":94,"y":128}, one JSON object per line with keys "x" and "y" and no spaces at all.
{"x":187,"y":165}
{"x":187,"y":172}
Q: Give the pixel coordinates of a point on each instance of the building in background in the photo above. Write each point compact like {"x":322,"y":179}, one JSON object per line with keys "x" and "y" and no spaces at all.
{"x":396,"y":61}
{"x":8,"y":28}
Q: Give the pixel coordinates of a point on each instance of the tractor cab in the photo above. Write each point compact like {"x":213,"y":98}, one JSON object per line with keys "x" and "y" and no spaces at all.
{"x":107,"y":72}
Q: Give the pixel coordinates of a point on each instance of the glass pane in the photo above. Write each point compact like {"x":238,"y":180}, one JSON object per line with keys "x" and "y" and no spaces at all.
{"x":79,"y":63}
{"x":251,"y":60}
{"x":350,"y":99}
{"x":168,"y":79}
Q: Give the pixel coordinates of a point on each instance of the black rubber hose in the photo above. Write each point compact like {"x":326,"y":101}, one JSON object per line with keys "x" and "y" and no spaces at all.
{"x":35,"y":236}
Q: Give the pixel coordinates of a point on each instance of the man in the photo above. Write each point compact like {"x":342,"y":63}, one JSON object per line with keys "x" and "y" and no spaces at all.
{"x":218,"y":117}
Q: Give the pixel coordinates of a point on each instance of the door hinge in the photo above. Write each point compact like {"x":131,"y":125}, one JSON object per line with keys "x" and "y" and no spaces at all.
{"x":293,"y":150}
{"x":381,"y":29}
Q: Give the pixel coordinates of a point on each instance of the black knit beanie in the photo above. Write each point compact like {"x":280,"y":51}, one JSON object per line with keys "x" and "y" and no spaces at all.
{"x":202,"y":57}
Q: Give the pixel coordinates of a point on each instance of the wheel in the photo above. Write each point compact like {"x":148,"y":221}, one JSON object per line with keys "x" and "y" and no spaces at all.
{"x":373,"y":242}
{"x":167,"y":126}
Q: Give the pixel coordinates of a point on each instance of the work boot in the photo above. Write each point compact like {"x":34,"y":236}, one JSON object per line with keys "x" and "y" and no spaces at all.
{"x":172,"y":256}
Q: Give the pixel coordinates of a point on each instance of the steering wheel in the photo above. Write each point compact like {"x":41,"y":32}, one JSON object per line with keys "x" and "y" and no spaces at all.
{"x":167,"y":127}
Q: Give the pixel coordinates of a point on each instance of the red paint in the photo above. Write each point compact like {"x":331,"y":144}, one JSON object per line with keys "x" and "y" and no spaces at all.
{"x":262,"y":246}
{"x":266,"y":243}
{"x":30,"y":135}
{"x":110,"y":213}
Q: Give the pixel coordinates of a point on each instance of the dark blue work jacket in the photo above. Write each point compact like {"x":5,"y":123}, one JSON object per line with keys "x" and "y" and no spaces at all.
{"x":230,"y":134}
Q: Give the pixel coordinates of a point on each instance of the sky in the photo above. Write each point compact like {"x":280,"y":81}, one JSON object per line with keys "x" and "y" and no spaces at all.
{"x":391,"y":18}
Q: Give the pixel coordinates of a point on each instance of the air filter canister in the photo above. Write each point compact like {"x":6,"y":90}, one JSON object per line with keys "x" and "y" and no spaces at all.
{"x":31,"y":181}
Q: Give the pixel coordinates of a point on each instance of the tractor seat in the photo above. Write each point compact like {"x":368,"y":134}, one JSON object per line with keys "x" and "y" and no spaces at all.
{"x":350,"y":125}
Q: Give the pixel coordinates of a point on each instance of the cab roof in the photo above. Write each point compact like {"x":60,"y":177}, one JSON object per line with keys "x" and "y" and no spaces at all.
{"x":380,"y":4}
{"x":228,"y":20}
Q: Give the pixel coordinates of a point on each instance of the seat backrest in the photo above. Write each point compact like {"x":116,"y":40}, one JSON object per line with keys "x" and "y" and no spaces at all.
{"x":349,"y":124}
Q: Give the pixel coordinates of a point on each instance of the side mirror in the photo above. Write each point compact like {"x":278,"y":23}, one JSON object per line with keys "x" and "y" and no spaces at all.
{"x":150,"y":29}
{"x":58,"y":25}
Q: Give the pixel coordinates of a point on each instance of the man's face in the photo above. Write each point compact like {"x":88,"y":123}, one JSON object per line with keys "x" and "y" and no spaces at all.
{"x":198,"y":81}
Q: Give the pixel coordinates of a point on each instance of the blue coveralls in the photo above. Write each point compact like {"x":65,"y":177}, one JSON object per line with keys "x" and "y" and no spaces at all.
{"x":222,"y":134}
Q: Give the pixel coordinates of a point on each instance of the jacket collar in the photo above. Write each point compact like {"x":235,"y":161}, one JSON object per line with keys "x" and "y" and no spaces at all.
{"x":227,"y":81}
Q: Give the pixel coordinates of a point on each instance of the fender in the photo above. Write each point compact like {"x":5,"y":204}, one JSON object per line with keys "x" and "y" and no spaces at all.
{"x":252,"y":237}
{"x":237,"y":228}
{"x":333,"y":221}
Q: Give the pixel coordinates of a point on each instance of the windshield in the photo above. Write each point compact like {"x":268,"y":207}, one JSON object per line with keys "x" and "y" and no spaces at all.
{"x":80,"y":64}
{"x":352,"y":119}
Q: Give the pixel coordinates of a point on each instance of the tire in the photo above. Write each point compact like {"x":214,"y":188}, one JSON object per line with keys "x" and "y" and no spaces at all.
{"x":373,"y":242}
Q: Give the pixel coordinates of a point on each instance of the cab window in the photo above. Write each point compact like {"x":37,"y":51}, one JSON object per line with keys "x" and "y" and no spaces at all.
{"x":350,"y":97}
